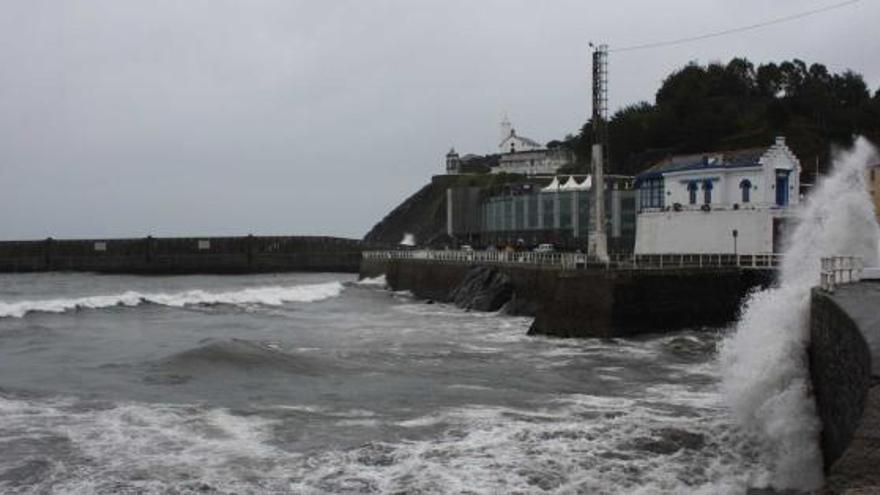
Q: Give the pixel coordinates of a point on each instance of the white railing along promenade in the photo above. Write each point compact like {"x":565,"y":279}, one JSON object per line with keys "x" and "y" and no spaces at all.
{"x":580,"y":260}
{"x":839,"y":270}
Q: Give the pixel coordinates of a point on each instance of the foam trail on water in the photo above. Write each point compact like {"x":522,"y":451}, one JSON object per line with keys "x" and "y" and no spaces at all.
{"x":765,"y":377}
{"x":270,"y":295}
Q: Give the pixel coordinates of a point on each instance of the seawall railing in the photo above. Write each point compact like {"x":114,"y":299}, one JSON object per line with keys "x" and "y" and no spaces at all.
{"x":568,"y":261}
{"x":839,"y":270}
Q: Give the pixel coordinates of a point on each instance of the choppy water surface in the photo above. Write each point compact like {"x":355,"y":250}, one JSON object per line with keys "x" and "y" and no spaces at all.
{"x":316,"y":384}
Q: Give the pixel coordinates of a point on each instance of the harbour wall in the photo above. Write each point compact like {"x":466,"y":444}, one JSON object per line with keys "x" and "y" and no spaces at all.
{"x":844,"y":356}
{"x":590,"y":302}
{"x":184,"y":255}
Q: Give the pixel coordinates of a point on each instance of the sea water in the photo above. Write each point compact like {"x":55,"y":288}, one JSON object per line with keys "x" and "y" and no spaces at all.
{"x":315,"y":383}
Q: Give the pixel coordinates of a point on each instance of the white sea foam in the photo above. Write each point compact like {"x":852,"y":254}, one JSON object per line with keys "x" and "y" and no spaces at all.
{"x":379,"y":281}
{"x":765,"y":375}
{"x":270,"y":296}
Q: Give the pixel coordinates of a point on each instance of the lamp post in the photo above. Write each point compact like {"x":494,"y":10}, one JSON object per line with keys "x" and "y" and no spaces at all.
{"x":735,"y":235}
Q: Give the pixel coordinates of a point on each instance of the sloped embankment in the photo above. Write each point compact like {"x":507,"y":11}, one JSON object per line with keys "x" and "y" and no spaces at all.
{"x":424,"y":213}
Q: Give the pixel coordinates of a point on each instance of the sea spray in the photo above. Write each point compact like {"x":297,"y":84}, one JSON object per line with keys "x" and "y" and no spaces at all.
{"x":765,"y":377}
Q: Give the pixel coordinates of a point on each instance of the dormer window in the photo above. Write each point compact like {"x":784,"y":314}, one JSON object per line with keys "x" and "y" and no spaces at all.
{"x":746,"y":186}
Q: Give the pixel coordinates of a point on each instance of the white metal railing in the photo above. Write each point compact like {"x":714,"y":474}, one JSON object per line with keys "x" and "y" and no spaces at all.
{"x":839,"y":270}
{"x":580,"y":260}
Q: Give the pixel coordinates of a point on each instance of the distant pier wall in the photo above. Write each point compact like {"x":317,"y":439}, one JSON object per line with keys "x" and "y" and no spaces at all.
{"x":591,"y":302}
{"x":183,"y":255}
{"x":844,"y":356}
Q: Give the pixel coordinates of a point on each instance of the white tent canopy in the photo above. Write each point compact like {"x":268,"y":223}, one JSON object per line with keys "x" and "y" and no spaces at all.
{"x":570,"y":185}
{"x":553,"y":187}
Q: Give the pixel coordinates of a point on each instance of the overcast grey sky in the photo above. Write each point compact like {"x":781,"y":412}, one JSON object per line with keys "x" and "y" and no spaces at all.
{"x":200,"y":117}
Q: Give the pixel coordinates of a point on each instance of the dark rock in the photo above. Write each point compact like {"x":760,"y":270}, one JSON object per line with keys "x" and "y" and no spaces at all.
{"x":483,"y":289}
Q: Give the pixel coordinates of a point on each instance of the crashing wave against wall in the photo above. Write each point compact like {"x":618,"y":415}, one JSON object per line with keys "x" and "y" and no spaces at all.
{"x":766,"y":380}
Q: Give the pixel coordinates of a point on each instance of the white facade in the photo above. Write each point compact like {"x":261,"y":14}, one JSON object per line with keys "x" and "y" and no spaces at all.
{"x":513,"y":144}
{"x":538,"y":162}
{"x":694,"y":204}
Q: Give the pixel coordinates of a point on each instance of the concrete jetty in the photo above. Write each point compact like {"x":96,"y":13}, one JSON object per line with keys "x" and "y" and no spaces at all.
{"x":184,"y":255}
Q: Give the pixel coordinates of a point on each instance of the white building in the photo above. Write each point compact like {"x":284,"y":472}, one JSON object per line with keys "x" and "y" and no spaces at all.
{"x":521,"y":155}
{"x":724,"y":202}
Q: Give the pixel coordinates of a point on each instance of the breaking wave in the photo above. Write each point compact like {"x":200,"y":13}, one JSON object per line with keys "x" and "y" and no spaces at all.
{"x":269,"y":296}
{"x":765,"y":376}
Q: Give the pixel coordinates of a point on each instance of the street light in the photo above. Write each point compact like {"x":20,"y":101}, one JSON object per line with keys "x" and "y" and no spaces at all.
{"x":735,"y":235}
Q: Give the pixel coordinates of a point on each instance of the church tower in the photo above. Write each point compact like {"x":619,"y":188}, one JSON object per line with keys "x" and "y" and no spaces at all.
{"x":453,"y":162}
{"x":506,"y":127}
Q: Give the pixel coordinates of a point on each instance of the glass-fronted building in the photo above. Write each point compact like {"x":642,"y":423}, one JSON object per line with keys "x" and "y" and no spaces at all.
{"x":563,"y":218}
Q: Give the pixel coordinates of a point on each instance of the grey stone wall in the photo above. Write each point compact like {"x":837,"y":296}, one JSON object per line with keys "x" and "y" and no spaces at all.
{"x":590,"y":302}
{"x":843,"y":327}
{"x":149,"y":255}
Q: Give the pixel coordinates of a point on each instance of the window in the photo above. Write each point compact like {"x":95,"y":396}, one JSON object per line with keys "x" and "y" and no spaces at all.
{"x":692,"y":192}
{"x":707,"y":192}
{"x":651,"y":193}
{"x":782,"y":187}
{"x":746,"y":186}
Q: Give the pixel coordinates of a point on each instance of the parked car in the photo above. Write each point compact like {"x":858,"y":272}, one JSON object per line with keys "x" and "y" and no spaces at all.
{"x":544,"y":248}
{"x":466,"y":247}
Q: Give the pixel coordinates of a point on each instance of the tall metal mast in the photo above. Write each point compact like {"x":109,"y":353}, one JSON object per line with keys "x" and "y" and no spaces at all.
{"x":597,"y":240}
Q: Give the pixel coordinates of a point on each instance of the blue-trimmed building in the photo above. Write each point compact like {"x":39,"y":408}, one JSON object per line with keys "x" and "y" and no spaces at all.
{"x":719,"y":202}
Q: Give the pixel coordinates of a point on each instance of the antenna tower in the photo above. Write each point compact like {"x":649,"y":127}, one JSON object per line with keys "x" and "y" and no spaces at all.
{"x":600,"y":97}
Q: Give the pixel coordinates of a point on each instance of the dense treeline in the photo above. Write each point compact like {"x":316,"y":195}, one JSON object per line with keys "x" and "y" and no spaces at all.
{"x":717,"y":107}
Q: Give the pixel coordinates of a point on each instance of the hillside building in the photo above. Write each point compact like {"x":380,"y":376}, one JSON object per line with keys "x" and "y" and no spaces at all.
{"x":521,"y":155}
{"x":720,"y":202}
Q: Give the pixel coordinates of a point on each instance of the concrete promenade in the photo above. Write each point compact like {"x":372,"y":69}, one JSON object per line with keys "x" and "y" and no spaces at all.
{"x":845,"y":369}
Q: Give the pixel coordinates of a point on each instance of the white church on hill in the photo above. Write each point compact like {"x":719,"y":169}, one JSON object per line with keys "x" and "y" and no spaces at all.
{"x":722,"y":202}
{"x":521,"y":155}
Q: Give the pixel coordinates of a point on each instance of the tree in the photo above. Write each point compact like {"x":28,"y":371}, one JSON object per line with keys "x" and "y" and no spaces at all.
{"x":717,"y":106}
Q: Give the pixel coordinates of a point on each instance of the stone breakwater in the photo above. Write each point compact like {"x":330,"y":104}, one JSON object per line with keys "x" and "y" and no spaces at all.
{"x":844,"y":356}
{"x":580,"y":303}
{"x":184,"y":255}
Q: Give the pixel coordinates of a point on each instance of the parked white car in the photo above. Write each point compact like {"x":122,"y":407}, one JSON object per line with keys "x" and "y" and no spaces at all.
{"x":544,"y":248}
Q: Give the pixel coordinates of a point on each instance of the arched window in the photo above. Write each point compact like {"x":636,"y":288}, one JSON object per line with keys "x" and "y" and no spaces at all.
{"x":707,"y":192}
{"x":692,"y":192}
{"x":746,"y":186}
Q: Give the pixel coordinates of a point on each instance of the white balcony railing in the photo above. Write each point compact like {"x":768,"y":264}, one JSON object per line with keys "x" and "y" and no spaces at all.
{"x":580,"y":260}
{"x":839,"y":270}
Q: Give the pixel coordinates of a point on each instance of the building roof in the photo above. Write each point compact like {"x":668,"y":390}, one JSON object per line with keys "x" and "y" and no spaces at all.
{"x":530,"y":142}
{"x":749,"y":157}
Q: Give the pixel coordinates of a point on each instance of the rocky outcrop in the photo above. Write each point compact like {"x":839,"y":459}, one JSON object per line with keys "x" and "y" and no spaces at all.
{"x":483,"y":289}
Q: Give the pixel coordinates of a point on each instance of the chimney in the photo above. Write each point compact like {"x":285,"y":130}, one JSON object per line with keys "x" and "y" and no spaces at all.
{"x":780,"y":140}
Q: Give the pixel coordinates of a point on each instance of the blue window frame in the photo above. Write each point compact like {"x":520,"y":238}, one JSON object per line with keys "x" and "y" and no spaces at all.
{"x":782,"y":187}
{"x":651,"y":193}
{"x":746,"y":186}
{"x":692,"y":192}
